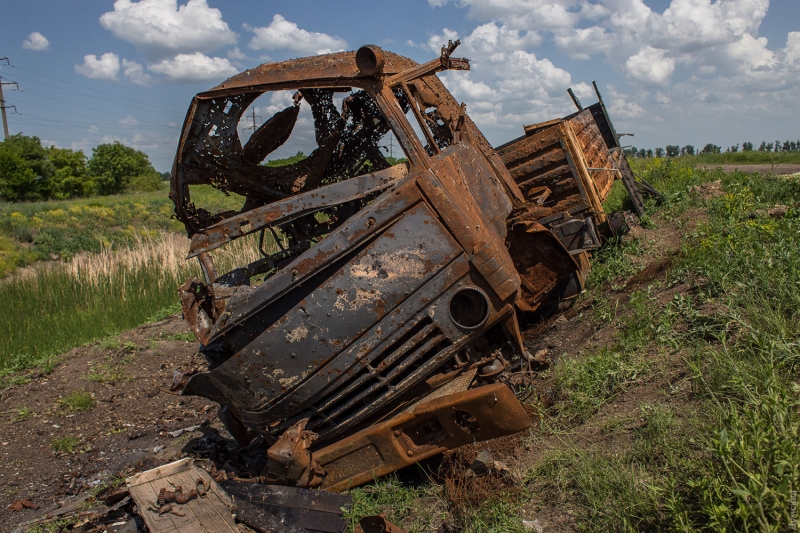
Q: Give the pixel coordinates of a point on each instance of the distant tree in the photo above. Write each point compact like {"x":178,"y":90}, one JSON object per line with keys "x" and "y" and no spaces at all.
{"x":659,"y":152}
{"x":711,"y":149}
{"x":777,"y":146}
{"x":116,"y":167}
{"x":24,"y":169}
{"x":70,"y":177}
{"x":165,"y":176}
{"x":687,"y":150}
{"x":787,"y":147}
{"x":763,"y":147}
{"x":642,"y":153}
{"x":673,"y":150}
{"x":734,"y":149}
{"x":649,"y":153}
{"x":747,"y":147}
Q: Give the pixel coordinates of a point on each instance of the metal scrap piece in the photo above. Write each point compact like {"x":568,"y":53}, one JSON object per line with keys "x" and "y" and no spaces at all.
{"x":377,"y":524}
{"x":290,"y":462}
{"x":444,"y":423}
{"x":270,"y":507}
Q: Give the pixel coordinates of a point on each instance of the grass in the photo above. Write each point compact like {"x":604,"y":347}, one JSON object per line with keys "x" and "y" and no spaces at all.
{"x":22,"y":414}
{"x":730,"y":461}
{"x":110,"y":372}
{"x":79,"y":400}
{"x":65,"y":444}
{"x":41,"y":231}
{"x":746,"y":158}
{"x":97,"y":296}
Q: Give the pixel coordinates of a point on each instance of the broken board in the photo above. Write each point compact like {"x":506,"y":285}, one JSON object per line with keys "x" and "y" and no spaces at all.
{"x":208,"y":514}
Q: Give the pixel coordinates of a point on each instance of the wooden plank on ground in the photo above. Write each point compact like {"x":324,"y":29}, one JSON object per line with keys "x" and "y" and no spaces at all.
{"x":210,"y":514}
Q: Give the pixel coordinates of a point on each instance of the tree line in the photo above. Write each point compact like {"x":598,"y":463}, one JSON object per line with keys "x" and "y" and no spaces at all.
{"x":30,"y":171}
{"x":678,"y":151}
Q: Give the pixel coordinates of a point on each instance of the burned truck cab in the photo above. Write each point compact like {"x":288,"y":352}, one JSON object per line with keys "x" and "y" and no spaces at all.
{"x":382,"y":293}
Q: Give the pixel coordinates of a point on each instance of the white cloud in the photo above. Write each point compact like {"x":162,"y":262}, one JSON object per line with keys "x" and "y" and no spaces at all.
{"x":134,"y":72}
{"x":650,"y":66}
{"x":36,"y":41}
{"x":106,"y":67}
{"x":162,"y":27}
{"x":194,"y":67}
{"x":129,"y":121}
{"x":792,"y":50}
{"x":236,"y":55}
{"x":282,"y":34}
{"x":519,"y":14}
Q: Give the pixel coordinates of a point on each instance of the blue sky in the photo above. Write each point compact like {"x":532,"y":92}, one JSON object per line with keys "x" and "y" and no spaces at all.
{"x":672,"y":71}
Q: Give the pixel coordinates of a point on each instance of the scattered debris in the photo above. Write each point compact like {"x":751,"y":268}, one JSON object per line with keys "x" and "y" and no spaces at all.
{"x":169,"y":509}
{"x":19,"y":505}
{"x":380,"y":281}
{"x":377,"y":524}
{"x":178,"y":432}
{"x":533,"y":525}
{"x":262,"y":507}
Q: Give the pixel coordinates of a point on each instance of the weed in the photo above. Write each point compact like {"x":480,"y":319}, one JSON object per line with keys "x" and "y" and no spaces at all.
{"x":185,"y":337}
{"x":65,"y":444}
{"x":23,"y":414}
{"x":590,"y":381}
{"x":130,"y":346}
{"x":78,"y":400}
{"x":415,"y":509}
{"x":109,"y":344}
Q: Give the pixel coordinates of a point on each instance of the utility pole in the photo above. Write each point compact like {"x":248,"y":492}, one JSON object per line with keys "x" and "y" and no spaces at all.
{"x":254,"y":127}
{"x":3,"y":105}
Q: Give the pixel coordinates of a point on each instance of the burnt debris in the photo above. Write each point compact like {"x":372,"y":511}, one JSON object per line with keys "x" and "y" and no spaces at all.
{"x":380,"y":325}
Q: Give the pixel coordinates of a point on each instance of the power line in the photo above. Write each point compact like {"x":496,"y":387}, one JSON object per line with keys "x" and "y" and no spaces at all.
{"x":90,"y":88}
{"x":254,"y":127}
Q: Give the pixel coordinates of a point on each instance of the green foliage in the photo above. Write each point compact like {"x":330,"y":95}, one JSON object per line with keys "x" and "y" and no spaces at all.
{"x":69,"y":178}
{"x":35,"y":231}
{"x":78,"y":400}
{"x":65,"y":444}
{"x":732,"y":463}
{"x":116,"y":168}
{"x":29,"y":171}
{"x":299,"y":156}
{"x":415,"y":509}
{"x":22,"y":414}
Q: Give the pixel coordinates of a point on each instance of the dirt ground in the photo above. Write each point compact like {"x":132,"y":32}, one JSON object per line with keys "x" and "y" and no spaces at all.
{"x":128,"y":427}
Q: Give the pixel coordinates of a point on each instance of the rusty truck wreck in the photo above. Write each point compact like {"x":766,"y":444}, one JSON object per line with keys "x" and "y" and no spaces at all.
{"x":385,"y":327}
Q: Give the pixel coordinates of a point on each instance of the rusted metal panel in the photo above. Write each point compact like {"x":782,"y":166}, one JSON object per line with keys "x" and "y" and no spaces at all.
{"x":444,"y":423}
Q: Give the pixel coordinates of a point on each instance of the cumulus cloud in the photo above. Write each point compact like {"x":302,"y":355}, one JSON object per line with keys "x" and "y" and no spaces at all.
{"x":135,"y":73}
{"x":527,"y":14}
{"x":282,"y":34}
{"x":194,"y":67}
{"x":508,"y":85}
{"x":106,"y":67}
{"x":129,"y":121}
{"x":36,"y":41}
{"x":650,"y":66}
{"x":162,"y":27}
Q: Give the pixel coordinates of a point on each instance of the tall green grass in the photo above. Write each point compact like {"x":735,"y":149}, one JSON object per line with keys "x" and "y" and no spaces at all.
{"x":61,"y":229}
{"x":58,"y":307}
{"x":732,"y":461}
